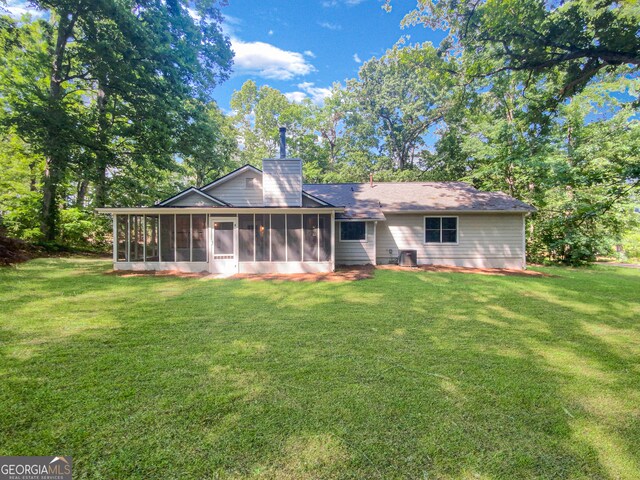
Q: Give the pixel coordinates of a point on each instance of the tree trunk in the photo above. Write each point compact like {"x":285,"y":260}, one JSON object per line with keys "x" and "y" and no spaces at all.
{"x":52,"y":178}
{"x":55,"y":158}
{"x":81,"y":195}
{"x":32,"y":176}
{"x":102,"y":152}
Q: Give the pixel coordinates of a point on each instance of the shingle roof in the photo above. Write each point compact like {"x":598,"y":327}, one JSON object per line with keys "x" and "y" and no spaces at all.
{"x":364,"y":201}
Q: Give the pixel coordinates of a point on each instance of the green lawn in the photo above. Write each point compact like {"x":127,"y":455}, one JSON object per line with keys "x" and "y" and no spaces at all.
{"x":406,"y":375}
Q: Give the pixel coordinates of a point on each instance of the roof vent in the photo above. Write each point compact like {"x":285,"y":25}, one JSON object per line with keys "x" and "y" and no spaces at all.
{"x":283,"y":142}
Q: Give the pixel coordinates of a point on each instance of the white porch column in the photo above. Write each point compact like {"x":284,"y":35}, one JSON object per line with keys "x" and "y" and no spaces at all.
{"x":115,"y":238}
{"x":333,"y":241}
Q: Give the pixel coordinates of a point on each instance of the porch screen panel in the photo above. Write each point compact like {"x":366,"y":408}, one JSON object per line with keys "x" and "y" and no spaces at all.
{"x":135,"y":239}
{"x":324,"y":232}
{"x":245,"y":238}
{"x":183,"y":238}
{"x":122,"y":224}
{"x":310,"y":238}
{"x":151,"y":227}
{"x":198,"y":238}
{"x":278,"y":239}
{"x":167,"y":238}
{"x":262,"y":238}
{"x":294,"y":238}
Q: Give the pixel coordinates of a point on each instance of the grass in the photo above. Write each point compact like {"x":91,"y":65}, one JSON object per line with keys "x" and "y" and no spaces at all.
{"x":406,"y":375}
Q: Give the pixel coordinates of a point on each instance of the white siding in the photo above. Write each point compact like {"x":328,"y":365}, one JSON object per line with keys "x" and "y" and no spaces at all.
{"x":356,"y":253}
{"x":310,"y":202}
{"x":235,"y":191}
{"x":484,"y":241}
{"x":192,"y":199}
{"x":282,"y":182}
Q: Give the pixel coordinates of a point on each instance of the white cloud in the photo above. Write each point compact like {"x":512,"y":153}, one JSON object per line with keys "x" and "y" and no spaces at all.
{"x":268,"y":61}
{"x":296,"y":97}
{"x":18,"y":9}
{"x":309,"y":90}
{"x":356,"y":58}
{"x":330,"y":26}
{"x":309,"y":53}
{"x":335,"y":3}
{"x":230,"y":24}
{"x":270,"y":32}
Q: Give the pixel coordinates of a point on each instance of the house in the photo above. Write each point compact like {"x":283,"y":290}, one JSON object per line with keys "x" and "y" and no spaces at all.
{"x":263,"y":221}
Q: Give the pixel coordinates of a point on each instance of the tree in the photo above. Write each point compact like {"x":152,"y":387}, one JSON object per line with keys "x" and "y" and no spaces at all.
{"x":258,"y":114}
{"x":137,"y":62}
{"x":579,"y":167}
{"x":402,"y":95}
{"x":209,"y":144}
{"x":577,"y":38}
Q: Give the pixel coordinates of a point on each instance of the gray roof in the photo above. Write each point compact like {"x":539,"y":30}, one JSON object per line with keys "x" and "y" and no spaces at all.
{"x":364,"y":201}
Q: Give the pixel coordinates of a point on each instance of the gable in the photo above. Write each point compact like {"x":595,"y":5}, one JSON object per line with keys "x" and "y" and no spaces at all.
{"x":242,"y":188}
{"x":191,"y":197}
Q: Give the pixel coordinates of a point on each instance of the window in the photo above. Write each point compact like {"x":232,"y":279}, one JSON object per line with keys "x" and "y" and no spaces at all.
{"x":441,"y":230}
{"x":223,"y":238}
{"x":353,"y":231}
{"x":250,"y":182}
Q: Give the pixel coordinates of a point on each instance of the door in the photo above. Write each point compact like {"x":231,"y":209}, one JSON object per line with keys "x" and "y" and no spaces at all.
{"x":223,"y":258}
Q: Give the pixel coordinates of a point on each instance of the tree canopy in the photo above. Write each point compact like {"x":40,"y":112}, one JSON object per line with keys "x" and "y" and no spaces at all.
{"x":110,"y":103}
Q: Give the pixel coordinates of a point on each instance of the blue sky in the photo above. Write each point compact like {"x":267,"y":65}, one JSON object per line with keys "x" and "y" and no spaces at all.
{"x":302,"y":47}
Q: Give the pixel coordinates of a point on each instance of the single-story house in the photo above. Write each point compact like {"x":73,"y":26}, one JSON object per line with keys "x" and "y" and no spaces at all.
{"x":264,"y":221}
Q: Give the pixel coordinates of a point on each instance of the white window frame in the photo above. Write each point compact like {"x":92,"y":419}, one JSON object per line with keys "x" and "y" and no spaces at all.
{"x":366,"y":231}
{"x":424,"y":230}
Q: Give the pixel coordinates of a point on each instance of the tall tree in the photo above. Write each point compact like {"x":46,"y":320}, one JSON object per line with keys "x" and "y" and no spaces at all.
{"x":402,"y":95}
{"x":577,"y":38}
{"x":139,"y":63}
{"x":208,"y":145}
{"x":258,"y":113}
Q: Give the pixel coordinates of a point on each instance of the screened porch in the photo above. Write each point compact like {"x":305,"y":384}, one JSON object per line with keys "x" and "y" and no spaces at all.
{"x":245,"y":242}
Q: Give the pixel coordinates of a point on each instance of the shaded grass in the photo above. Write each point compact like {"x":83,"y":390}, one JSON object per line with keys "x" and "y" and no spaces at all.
{"x":406,"y":375}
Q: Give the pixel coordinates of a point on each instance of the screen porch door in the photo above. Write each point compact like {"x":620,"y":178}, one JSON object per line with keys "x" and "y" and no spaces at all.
{"x":224,"y":255}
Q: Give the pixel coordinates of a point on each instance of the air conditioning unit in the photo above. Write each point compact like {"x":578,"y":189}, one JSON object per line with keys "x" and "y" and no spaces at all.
{"x":408,"y":258}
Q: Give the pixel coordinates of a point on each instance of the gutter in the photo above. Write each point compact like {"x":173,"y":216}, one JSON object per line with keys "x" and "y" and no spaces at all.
{"x":214,"y":210}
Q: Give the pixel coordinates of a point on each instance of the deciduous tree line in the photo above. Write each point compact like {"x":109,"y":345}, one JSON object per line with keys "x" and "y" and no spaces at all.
{"x":110,"y":105}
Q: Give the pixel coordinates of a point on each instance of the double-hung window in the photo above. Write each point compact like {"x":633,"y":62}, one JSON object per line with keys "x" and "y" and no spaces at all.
{"x":353,"y":231}
{"x":440,"y":229}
